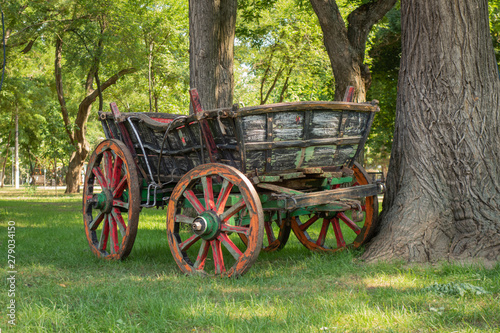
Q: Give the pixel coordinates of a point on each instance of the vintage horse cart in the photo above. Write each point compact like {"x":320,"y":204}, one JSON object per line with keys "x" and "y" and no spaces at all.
{"x":234,"y":181}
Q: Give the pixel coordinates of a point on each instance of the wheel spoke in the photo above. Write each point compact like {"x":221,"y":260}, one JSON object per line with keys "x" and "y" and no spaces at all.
{"x":114,"y":234}
{"x":269,"y":231}
{"x":107,"y":162}
{"x":184,"y":219}
{"x":184,"y":246}
{"x":338,"y":233}
{"x":100,"y":177}
{"x":230,"y":246}
{"x":121,"y":223}
{"x":96,"y":222}
{"x":191,"y":197}
{"x":121,"y":204}
{"x":103,"y":241}
{"x":117,"y":170}
{"x":223,"y":196}
{"x":309,"y":222}
{"x":232,"y":228}
{"x":233,"y":210}
{"x":349,"y":223}
{"x":323,"y":232}
{"x":202,"y":255}
{"x":218,"y":258}
{"x":208,"y":192}
{"x":120,"y":187}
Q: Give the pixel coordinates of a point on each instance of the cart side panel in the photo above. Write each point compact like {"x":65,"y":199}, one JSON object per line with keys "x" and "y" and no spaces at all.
{"x":224,"y":134}
{"x":294,"y":139}
{"x":180,"y":151}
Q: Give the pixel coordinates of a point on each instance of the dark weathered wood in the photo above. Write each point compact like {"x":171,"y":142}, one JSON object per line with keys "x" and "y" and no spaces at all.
{"x":325,"y":197}
{"x":302,"y":144}
{"x":205,"y":129}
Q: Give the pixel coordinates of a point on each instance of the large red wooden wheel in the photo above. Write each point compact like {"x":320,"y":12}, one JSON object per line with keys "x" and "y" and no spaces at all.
{"x":226,"y":205}
{"x":111,"y":200}
{"x":334,"y":231}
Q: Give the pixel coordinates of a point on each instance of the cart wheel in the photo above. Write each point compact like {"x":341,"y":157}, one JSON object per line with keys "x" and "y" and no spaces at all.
{"x":207,"y":242}
{"x":276,"y":234}
{"x":111,"y":212}
{"x":314,"y":231}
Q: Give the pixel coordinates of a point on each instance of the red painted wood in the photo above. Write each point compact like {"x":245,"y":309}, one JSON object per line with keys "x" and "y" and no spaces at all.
{"x":338,"y":233}
{"x":114,"y":234}
{"x":349,"y":223}
{"x":218,"y":257}
{"x":202,"y":255}
{"x":162,"y":120}
{"x":100,"y":177}
{"x":205,"y":129}
{"x":233,"y":228}
{"x":208,"y":192}
{"x":184,"y":246}
{"x":323,"y":232}
{"x":349,"y":94}
{"x":231,"y":247}
{"x":104,"y":235}
{"x":189,"y":194}
{"x":117,"y":170}
{"x":309,"y":222}
{"x":223,"y":196}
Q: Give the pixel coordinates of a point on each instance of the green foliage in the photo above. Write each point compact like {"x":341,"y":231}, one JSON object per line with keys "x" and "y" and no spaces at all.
{"x":116,"y":33}
{"x":280,"y":56}
{"x":385,"y":55}
{"x":494,"y":10}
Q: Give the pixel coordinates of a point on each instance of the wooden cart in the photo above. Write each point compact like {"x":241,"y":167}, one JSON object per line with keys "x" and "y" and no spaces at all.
{"x":234,"y":181}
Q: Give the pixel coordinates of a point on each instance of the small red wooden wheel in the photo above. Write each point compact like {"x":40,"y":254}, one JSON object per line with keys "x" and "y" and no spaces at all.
{"x":276,"y":232}
{"x":226,"y":205}
{"x":111,"y":200}
{"x":333,"y":231}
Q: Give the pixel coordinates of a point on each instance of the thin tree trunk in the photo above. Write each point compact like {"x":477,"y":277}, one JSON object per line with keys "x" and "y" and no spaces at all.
{"x":150,"y":75}
{"x":6,"y":154}
{"x":443,"y":198}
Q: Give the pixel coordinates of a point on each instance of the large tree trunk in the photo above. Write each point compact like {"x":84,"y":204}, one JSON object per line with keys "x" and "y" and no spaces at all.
{"x":346,"y":45}
{"x":443,"y":198}
{"x":212,"y":26}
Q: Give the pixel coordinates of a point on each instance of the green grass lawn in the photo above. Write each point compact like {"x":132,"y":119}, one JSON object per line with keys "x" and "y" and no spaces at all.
{"x":62,"y":287}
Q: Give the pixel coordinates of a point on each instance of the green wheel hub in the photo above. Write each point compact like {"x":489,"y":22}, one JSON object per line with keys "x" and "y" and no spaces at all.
{"x":104,"y":201}
{"x":207,"y":225}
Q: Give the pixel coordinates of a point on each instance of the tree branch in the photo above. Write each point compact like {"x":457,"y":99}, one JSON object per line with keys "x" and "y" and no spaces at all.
{"x":362,"y":19}
{"x":59,"y":89}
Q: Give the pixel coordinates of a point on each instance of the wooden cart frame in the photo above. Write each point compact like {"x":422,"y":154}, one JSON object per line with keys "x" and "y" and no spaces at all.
{"x":235,"y":181}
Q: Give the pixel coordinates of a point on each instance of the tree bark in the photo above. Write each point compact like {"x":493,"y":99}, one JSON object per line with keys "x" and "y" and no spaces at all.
{"x":443,"y":185}
{"x":346,"y":45}
{"x":212,"y":25}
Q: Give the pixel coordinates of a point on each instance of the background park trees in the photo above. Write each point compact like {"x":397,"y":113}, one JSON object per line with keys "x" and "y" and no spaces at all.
{"x":282,"y":52}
